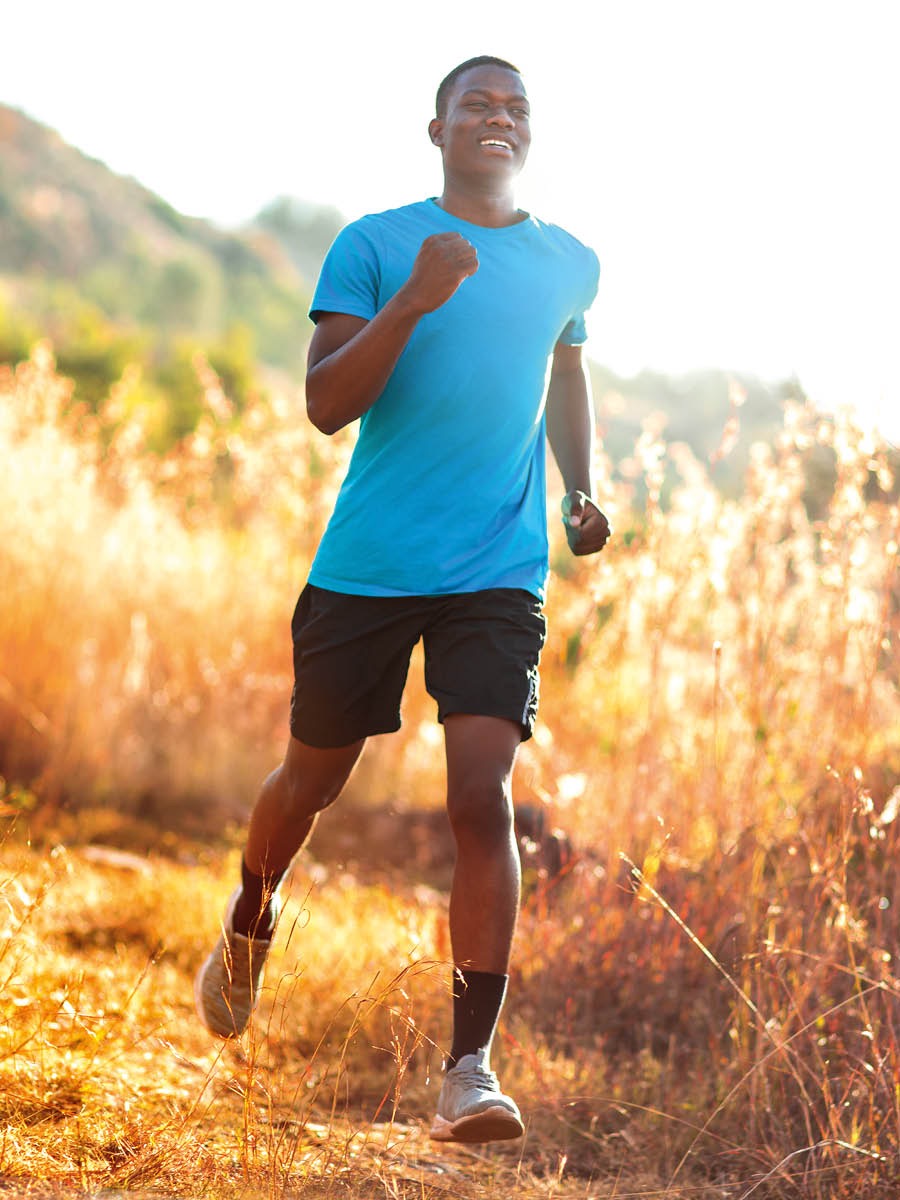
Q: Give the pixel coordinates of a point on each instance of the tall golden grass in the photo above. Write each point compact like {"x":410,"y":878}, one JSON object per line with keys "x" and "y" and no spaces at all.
{"x":705,"y":998}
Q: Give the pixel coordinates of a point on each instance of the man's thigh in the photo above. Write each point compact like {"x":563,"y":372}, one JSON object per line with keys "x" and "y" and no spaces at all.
{"x":351,"y":659}
{"x":482,"y":655}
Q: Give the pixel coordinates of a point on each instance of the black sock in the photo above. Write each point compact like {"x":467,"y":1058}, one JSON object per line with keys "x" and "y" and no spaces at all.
{"x":477,"y":1000}
{"x":253,"y":911}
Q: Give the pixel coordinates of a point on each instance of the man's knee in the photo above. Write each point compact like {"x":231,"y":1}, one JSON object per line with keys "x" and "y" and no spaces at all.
{"x":310,"y":780}
{"x":481,"y":808}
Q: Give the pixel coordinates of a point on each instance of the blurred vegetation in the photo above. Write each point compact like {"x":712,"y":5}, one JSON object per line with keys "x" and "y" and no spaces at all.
{"x":154,"y":376}
{"x":718,"y":751}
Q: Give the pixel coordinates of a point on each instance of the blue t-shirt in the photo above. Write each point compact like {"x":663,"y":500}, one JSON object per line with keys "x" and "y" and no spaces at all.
{"x":446,"y":487}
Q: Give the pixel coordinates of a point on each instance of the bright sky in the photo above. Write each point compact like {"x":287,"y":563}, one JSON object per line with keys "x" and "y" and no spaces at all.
{"x":734,"y":164}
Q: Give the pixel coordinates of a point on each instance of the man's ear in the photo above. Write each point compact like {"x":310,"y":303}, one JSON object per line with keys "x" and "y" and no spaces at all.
{"x":436,"y":131}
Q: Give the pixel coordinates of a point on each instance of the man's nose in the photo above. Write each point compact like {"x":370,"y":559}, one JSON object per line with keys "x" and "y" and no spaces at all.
{"x":500,"y":116}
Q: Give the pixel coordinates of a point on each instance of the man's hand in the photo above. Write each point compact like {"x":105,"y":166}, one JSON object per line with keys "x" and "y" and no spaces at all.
{"x":587,"y":529}
{"x":443,"y":262}
{"x":351,"y":359}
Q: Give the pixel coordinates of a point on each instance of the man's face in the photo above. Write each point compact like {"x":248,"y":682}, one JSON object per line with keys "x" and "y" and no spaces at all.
{"x":485,"y":129}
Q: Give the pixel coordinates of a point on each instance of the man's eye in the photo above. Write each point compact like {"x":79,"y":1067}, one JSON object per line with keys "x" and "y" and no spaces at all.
{"x":522,"y":112}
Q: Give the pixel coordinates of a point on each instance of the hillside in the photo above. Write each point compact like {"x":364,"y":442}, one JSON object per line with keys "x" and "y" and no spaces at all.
{"x":78,"y":240}
{"x":72,"y":231}
{"x":718,"y":414}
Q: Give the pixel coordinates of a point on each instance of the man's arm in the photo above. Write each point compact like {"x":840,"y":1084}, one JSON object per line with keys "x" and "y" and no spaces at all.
{"x":570,"y":431}
{"x":351,"y":359}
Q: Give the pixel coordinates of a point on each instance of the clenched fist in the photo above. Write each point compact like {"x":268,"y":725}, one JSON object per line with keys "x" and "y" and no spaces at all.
{"x":587,"y":528}
{"x":443,"y":262}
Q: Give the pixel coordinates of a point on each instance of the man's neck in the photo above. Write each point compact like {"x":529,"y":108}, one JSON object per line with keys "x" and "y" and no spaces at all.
{"x":492,"y":209}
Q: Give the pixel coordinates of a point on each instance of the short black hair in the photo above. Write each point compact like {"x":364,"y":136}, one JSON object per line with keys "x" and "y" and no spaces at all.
{"x":482,"y":60}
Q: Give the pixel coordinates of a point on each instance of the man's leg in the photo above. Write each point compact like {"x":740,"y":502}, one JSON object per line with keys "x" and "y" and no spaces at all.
{"x":283,"y":817}
{"x":226,"y":988}
{"x":484,"y":903}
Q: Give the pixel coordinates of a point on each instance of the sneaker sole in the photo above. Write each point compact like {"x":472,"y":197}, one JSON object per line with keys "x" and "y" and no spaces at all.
{"x":496,"y":1124}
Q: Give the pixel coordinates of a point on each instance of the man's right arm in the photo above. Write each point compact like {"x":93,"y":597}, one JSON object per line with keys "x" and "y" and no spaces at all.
{"x":351,"y":359}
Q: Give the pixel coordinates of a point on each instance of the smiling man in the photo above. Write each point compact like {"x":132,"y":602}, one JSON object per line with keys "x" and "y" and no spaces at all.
{"x":436,"y":324}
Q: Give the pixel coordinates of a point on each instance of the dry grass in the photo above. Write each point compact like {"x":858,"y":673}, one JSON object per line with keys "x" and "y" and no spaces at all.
{"x":705,"y":1000}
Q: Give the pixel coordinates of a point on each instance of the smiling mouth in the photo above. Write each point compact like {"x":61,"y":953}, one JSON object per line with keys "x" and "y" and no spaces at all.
{"x":498,"y":142}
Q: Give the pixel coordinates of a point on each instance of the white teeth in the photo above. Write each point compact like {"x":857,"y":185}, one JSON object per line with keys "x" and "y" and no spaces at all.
{"x":495,"y":142}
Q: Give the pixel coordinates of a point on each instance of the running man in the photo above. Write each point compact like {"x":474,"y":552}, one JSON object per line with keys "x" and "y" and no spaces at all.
{"x":436,"y":324}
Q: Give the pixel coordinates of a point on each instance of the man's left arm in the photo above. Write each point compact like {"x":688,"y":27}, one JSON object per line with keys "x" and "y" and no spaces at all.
{"x":570,"y":431}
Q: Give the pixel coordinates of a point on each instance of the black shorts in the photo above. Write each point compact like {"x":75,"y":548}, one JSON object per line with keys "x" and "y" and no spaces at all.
{"x":351,"y":658}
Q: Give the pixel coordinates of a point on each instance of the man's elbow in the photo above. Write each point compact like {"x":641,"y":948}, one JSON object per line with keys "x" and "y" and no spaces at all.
{"x":322,"y":422}
{"x":319,"y":411}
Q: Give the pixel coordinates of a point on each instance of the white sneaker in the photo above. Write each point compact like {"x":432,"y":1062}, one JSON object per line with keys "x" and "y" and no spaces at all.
{"x":471,"y":1107}
{"x":226,"y":988}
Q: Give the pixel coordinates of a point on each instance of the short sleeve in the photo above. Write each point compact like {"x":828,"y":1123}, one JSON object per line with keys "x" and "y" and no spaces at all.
{"x":575,"y":330}
{"x":350,"y":276}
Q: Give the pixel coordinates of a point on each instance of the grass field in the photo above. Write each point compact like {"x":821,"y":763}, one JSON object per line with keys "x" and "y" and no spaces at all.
{"x":704,"y":1000}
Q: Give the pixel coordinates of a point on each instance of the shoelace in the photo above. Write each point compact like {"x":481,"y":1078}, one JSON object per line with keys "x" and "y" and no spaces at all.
{"x":477,"y":1077}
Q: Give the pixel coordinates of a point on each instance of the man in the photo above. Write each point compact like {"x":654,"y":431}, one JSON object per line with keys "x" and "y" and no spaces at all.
{"x":435,"y":325}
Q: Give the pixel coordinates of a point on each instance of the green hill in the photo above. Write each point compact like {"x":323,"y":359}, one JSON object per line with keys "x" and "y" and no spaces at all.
{"x":113,"y":273}
{"x":72,"y":232}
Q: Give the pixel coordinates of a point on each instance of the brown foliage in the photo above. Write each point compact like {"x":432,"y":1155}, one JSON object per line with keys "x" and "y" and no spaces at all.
{"x":705,"y":990}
